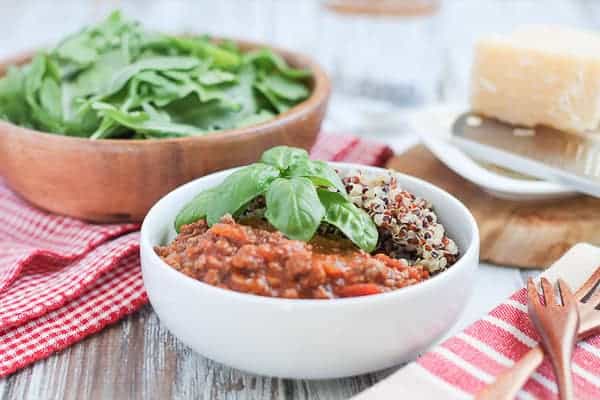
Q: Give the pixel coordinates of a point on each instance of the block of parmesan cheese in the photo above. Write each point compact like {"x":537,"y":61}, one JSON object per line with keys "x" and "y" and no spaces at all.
{"x":539,"y":75}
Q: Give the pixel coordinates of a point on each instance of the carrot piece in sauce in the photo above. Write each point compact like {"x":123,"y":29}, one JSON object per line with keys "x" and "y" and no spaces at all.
{"x":359,"y":289}
{"x":233,"y":232}
{"x":333,"y":271}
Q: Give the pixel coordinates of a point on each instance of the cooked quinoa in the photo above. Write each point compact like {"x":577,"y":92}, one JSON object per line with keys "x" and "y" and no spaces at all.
{"x":408,"y":226}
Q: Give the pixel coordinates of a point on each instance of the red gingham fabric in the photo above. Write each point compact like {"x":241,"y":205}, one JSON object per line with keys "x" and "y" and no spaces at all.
{"x":62,"y":279}
{"x":472,"y":359}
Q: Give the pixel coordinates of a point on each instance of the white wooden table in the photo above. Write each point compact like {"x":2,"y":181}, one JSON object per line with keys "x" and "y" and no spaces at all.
{"x":137,"y":357}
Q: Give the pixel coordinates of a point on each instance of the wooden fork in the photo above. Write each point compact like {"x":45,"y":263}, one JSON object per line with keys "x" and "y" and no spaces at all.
{"x":509,"y":382}
{"x":557,"y":325}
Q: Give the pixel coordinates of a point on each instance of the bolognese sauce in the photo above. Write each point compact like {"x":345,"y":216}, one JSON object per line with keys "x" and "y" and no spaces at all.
{"x":251,"y":258}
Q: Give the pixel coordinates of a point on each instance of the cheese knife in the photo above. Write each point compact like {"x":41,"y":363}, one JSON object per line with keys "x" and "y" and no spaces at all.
{"x":569,"y":159}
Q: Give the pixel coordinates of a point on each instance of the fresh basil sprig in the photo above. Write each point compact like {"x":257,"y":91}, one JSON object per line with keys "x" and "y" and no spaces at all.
{"x":300,"y":194}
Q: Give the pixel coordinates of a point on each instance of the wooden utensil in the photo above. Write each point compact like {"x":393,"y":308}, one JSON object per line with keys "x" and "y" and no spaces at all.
{"x":119,"y":180}
{"x":557,"y":324}
{"x":513,"y":233}
{"x":509,"y":382}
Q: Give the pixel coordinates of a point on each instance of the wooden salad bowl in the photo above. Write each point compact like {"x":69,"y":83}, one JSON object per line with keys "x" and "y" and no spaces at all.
{"x":118,"y":180}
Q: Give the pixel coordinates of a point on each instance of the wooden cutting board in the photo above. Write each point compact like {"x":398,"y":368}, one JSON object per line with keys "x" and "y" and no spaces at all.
{"x":530,"y":234}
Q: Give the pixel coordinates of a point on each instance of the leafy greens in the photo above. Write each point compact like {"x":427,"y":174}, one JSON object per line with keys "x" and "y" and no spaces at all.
{"x":117,"y":80}
{"x":300,"y":195}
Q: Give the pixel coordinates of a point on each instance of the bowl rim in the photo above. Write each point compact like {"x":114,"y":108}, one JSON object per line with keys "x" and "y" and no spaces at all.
{"x":320,"y":92}
{"x":471,"y":251}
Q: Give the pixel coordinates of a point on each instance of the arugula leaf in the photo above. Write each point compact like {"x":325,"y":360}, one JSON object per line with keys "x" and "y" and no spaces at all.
{"x":195,"y":209}
{"x":283,"y":157}
{"x":320,"y":173}
{"x":294,"y":208}
{"x":239,"y":188}
{"x":351,"y":220}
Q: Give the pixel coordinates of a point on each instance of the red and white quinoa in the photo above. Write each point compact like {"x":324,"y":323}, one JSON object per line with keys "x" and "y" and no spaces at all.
{"x":408,"y":226}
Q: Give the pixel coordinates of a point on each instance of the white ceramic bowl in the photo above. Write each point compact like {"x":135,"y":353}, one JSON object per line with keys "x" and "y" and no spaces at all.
{"x":308,"y":339}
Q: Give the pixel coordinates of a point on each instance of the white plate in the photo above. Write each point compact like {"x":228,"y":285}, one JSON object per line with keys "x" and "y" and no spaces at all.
{"x":433,"y":125}
{"x":309,"y":338}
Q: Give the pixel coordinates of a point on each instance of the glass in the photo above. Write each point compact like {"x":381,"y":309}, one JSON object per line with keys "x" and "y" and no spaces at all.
{"x":384,"y":49}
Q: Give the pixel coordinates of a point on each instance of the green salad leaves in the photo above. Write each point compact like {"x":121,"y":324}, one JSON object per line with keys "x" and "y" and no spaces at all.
{"x":301,"y":194}
{"x":117,"y":80}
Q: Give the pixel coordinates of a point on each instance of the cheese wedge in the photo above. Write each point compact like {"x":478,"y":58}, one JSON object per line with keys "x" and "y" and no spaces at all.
{"x":539,"y":75}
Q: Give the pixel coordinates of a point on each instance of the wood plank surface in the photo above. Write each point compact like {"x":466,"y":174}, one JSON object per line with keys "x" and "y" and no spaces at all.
{"x":530,"y":234}
{"x":138,"y":358}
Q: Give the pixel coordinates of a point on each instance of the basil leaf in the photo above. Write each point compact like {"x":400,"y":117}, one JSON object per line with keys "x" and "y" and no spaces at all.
{"x":351,"y":220}
{"x":195,"y":209}
{"x":239,"y":188}
{"x":293,"y":207}
{"x":283,"y":157}
{"x":320,"y":173}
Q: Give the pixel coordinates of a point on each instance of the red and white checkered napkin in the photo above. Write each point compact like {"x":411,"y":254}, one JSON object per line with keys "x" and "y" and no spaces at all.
{"x":461,"y":366}
{"x":62,"y":279}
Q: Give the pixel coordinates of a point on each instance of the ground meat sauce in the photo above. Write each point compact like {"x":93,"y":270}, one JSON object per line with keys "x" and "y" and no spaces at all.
{"x":252,"y":259}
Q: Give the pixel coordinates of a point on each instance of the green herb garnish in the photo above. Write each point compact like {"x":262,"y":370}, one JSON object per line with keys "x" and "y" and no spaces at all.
{"x":117,"y":80}
{"x":300,"y":195}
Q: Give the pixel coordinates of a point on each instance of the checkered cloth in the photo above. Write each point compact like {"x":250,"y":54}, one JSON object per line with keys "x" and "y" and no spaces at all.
{"x":62,"y":279}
